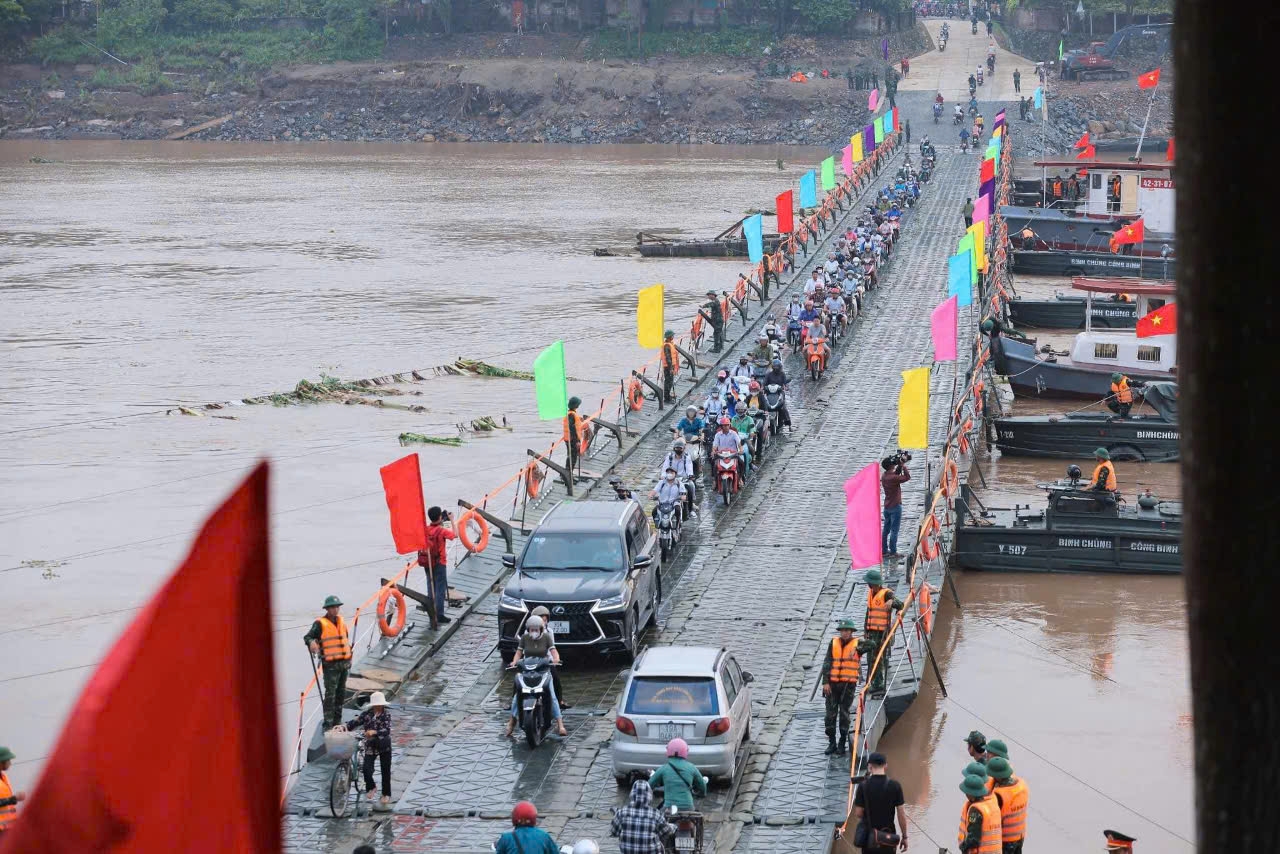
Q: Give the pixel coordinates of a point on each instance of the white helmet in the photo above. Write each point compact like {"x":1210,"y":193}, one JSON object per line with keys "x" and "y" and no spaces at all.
{"x":534,"y":623}
{"x":585,"y":846}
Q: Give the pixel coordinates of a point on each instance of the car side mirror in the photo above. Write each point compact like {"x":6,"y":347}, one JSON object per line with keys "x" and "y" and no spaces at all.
{"x":748,"y":677}
{"x":641,"y":562}
{"x":509,"y":560}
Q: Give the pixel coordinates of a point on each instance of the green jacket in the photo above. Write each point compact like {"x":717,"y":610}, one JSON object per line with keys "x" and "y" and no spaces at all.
{"x":680,"y":779}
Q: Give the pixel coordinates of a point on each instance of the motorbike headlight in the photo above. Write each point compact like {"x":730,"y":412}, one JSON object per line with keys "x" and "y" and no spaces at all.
{"x":511,"y":603}
{"x":613,"y":603}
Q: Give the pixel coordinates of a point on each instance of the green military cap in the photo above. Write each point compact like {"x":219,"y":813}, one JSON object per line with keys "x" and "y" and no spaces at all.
{"x":873,"y":576}
{"x":975,"y":768}
{"x":997,"y":747}
{"x":974,"y":786}
{"x":987,"y":325}
{"x":975,"y":738}
{"x":848,"y":623}
{"x":331,"y":601}
{"x":575,"y":402}
{"x":668,"y":334}
{"x":5,"y":754}
{"x":1102,"y":454}
{"x":999,"y":768}
{"x":1116,"y":377}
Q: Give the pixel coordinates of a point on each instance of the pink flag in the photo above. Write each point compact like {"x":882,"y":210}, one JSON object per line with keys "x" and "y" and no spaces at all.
{"x":862,"y":516}
{"x":982,"y":208}
{"x":943,"y":323}
{"x":873,"y":99}
{"x":846,"y":161}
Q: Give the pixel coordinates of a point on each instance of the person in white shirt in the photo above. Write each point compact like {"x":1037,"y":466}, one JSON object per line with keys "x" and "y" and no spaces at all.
{"x":814,"y":284}
{"x":835,"y":307}
{"x":714,"y":406}
{"x":680,"y":461}
{"x":668,"y":490}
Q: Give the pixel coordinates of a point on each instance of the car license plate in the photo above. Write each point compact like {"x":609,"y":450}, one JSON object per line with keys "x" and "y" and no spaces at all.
{"x":559,"y":627}
{"x":684,"y":843}
{"x":670,"y":731}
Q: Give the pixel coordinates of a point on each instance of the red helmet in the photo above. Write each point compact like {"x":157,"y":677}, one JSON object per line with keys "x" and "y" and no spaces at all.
{"x":724,"y":421}
{"x":723,"y":375}
{"x":524,"y":814}
{"x":755,"y":385}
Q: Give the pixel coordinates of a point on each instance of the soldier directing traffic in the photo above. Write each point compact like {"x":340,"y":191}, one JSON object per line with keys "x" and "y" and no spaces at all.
{"x":328,"y":639}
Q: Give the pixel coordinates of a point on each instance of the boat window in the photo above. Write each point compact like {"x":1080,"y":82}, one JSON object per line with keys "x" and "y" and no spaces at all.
{"x":1147,"y":353}
{"x":1095,"y":179}
{"x":1153,"y":303}
{"x":1106,"y":351}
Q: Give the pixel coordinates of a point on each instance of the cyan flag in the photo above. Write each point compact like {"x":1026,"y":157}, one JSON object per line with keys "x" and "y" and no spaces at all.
{"x":1039,"y":98}
{"x":958,"y":278}
{"x":809,"y":190}
{"x":753,"y":230}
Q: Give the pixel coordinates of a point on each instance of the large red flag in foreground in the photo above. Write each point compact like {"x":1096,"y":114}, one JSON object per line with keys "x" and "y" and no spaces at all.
{"x":1162,"y":321}
{"x":172,"y":745}
{"x":402,"y":484}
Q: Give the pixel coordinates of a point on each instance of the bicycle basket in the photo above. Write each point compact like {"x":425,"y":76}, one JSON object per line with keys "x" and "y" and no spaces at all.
{"x":339,"y":744}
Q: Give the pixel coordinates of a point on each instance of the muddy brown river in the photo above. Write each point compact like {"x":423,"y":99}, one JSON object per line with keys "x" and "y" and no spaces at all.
{"x":135,"y":277}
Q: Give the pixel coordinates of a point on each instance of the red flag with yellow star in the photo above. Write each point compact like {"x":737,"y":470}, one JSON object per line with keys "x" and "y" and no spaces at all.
{"x":1162,"y":321}
{"x":1134,"y":232}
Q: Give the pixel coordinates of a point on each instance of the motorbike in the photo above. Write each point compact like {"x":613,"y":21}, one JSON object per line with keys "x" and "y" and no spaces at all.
{"x":991,"y":64}
{"x":957,"y":118}
{"x":964,"y":145}
{"x":774,"y":398}
{"x":942,"y":45}
{"x":533,"y":687}
{"x":760,"y":367}
{"x":728,"y":479}
{"x":669,"y":516}
{"x":979,"y":76}
{"x":974,"y":28}
{"x":793,"y":334}
{"x":774,"y":332}
{"x":815,"y":359}
{"x":937,"y":113}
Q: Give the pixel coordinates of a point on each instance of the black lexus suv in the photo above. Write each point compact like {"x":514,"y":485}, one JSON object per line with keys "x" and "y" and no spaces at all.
{"x":595,"y":566}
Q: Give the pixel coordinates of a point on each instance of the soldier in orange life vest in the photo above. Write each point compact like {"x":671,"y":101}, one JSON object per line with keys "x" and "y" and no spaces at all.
{"x":979,"y":819}
{"x":1121,"y":400}
{"x":1103,"y":481}
{"x":573,"y":431}
{"x":1012,"y":796}
{"x":328,"y":639}
{"x":840,"y":672}
{"x":880,"y":607}
{"x":9,"y":799}
{"x":670,"y":365}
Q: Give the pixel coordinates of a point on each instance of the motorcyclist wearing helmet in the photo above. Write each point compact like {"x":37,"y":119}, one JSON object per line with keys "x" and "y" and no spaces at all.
{"x":744,"y":367}
{"x":669,"y":490}
{"x":680,"y":779}
{"x":794,"y":308}
{"x":813,"y":284}
{"x":727,"y":439}
{"x":525,"y":837}
{"x":681,"y":462}
{"x":835,"y":307}
{"x":722,"y":383}
{"x":537,"y":641}
{"x":545,"y":615}
{"x":762,"y":352}
{"x":640,"y":828}
{"x":691,"y":426}
{"x":745,"y":425}
{"x":807,"y":317}
{"x":714,"y":405}
{"x":817,"y":332}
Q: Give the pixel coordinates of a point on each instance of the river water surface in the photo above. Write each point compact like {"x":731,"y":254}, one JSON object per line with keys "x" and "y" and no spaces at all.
{"x":135,"y":277}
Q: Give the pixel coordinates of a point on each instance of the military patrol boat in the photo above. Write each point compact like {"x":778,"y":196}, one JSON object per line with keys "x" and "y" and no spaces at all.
{"x":1145,"y":437}
{"x":1076,"y":532}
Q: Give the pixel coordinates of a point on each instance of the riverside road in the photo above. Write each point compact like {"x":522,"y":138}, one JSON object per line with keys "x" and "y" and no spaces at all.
{"x":767,"y":577}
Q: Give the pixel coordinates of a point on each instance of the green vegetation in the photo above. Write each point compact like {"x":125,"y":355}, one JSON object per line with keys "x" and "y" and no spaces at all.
{"x":738,"y":41}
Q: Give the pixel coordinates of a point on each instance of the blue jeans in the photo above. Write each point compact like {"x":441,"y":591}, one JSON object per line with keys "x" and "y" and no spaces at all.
{"x":889,"y":534}
{"x":555,"y":703}
{"x":439,"y":577}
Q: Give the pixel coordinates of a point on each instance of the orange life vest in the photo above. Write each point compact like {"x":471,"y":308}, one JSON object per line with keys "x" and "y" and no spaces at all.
{"x":335,"y":645}
{"x":1057,"y":188}
{"x":878,"y":607}
{"x":845,"y":664}
{"x":584,"y":428}
{"x":1013,"y":798}
{"x":9,"y":813}
{"x":1111,"y":475}
{"x":670,"y":358}
{"x":1122,"y":391}
{"x":991,"y":838}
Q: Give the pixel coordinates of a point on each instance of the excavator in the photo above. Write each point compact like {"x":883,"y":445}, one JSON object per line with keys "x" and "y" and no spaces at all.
{"x":1098,"y":61}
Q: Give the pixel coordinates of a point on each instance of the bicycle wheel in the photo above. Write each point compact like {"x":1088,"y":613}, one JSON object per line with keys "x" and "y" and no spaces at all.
{"x":340,"y":788}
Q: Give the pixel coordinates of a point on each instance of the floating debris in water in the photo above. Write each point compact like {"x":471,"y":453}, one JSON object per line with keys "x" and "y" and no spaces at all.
{"x":474,"y":366}
{"x":46,"y":567}
{"x":488,"y":425}
{"x":420,"y":439}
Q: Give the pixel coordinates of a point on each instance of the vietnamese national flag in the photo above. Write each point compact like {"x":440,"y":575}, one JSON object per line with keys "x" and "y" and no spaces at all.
{"x":1149,"y":80}
{"x":1083,"y":141}
{"x":1088,"y":151}
{"x":172,"y":744}
{"x":1134,"y":232}
{"x":782,"y":205}
{"x":1162,"y":321}
{"x":1168,"y":153}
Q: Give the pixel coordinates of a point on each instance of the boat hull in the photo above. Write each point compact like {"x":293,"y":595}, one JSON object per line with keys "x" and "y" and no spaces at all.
{"x":1147,"y":437}
{"x":1069,"y":314}
{"x":701,"y":248}
{"x":1009,"y":549}
{"x":1068,"y":262}
{"x":1079,"y":231}
{"x":1030,"y":376}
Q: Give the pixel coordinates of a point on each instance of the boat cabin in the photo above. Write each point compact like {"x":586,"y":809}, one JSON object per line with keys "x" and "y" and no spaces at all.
{"x":1122,"y":349}
{"x":1112,"y":185}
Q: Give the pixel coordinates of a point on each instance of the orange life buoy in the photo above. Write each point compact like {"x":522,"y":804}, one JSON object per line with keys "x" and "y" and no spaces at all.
{"x":978,"y":388}
{"x":391,"y":628}
{"x":635,"y":396}
{"x":965,"y":430}
{"x":926,"y":606}
{"x":928,"y":538}
{"x":533,"y":478}
{"x":465,"y":535}
{"x":950,"y":479}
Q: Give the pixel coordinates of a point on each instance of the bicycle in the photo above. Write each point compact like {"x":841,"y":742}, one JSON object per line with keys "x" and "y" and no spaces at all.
{"x":348,"y":749}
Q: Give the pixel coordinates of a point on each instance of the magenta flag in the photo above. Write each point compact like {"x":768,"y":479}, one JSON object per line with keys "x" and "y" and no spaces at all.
{"x":943,"y":324}
{"x":873,"y":99}
{"x":846,"y":160}
{"x":982,"y":209}
{"x":862,"y":516}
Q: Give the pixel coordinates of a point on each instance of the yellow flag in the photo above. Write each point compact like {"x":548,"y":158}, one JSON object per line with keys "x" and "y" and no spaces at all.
{"x":649,"y":317}
{"x":997,"y":132}
{"x":978,"y":230}
{"x":913,"y":409}
{"x":856,"y":142}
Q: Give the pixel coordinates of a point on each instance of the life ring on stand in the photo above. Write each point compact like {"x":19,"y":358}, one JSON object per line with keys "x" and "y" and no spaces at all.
{"x":465,"y":535}
{"x":533,"y":478}
{"x":926,"y":606}
{"x":391,"y":628}
{"x":635,"y":396}
{"x":950,"y":479}
{"x":964,"y":435}
{"x":929,"y":538}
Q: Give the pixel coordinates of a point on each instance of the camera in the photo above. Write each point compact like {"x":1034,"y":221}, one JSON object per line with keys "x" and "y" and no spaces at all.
{"x":899,"y":458}
{"x":446,"y":515}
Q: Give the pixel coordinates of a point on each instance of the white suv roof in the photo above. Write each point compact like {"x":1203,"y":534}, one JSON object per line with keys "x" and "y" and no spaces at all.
{"x":678,"y":661}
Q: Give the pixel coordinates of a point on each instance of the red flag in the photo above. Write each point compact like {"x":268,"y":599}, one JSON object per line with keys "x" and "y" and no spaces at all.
{"x":785,"y":224}
{"x":1083,"y":141}
{"x":987,"y":172}
{"x":1088,"y":151}
{"x":1149,"y":80}
{"x":172,"y":744}
{"x":1162,"y":321}
{"x":1168,"y":152}
{"x":1134,"y":232}
{"x":402,"y":483}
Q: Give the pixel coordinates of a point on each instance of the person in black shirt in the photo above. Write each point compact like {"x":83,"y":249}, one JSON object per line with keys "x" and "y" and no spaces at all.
{"x":878,"y":801}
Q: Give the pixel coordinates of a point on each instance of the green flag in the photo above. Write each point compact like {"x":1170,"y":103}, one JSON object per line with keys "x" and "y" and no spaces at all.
{"x":549,"y":382}
{"x":966,"y":242}
{"x":1060,"y":42}
{"x":829,"y":174}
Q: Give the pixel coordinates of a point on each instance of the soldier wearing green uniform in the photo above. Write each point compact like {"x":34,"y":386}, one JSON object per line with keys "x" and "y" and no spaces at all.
{"x":995,"y":747}
{"x":329,"y":640}
{"x":880,"y":604}
{"x":977,"y":744}
{"x":841,"y":670}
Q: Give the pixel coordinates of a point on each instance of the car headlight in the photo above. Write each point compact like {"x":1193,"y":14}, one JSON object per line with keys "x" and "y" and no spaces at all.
{"x":511,"y":603}
{"x":613,"y":603}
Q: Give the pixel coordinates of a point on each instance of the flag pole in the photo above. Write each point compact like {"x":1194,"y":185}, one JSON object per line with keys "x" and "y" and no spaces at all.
{"x":1137,"y":155}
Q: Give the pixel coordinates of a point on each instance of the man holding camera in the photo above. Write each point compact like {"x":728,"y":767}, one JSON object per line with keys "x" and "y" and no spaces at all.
{"x":435,"y":559}
{"x":895,"y":474}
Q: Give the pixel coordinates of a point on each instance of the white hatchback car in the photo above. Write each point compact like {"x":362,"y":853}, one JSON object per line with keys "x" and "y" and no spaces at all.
{"x":698,"y":693}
